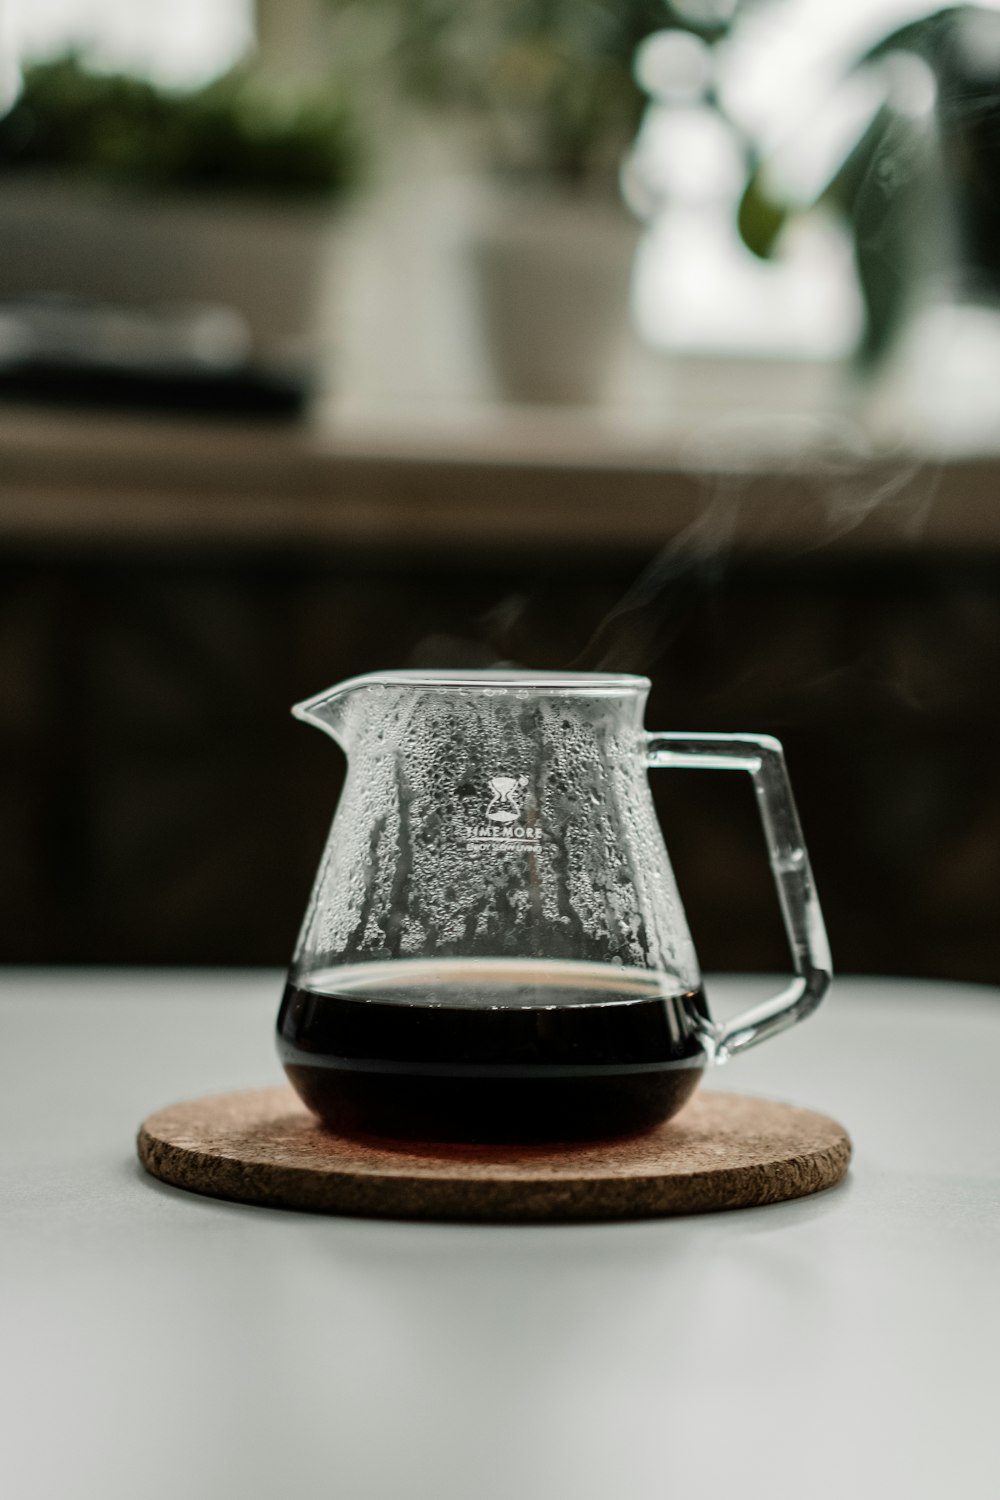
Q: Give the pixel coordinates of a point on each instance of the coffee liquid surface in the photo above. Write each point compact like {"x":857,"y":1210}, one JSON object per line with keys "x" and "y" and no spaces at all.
{"x":491,"y":1049}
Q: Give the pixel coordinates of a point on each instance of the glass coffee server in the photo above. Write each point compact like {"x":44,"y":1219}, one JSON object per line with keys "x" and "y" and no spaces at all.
{"x":495,"y":948}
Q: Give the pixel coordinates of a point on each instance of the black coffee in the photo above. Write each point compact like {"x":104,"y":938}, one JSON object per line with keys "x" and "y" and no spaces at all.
{"x":491,"y":1050}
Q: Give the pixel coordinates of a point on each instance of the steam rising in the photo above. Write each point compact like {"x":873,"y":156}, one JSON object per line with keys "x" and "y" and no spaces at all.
{"x":841,"y":486}
{"x":788,"y":490}
{"x":628,"y":637}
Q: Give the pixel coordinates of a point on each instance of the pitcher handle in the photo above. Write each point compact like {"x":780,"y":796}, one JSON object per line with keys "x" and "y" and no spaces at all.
{"x":764,"y":758}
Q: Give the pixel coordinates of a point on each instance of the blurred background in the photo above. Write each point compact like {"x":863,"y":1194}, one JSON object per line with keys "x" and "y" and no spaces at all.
{"x":346,"y":334}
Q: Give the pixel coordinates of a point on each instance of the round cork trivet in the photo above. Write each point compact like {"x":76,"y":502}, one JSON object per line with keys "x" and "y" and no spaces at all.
{"x":722,"y":1151}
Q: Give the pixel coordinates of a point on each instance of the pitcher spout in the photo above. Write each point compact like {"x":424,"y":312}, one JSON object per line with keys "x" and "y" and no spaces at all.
{"x":342,"y":709}
{"x":329,"y":710}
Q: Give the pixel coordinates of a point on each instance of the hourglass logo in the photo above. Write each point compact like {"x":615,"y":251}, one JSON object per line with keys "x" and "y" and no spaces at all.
{"x":500,"y":825}
{"x":507,"y":796}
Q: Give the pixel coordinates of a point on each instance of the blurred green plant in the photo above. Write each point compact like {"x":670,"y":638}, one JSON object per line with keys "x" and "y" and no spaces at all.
{"x":913,"y":174}
{"x":548,"y":84}
{"x":228,"y":137}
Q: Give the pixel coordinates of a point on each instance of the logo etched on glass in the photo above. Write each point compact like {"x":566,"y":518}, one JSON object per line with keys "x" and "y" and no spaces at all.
{"x":503,"y":826}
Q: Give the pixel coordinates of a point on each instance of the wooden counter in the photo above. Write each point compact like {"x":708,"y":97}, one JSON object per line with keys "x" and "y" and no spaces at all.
{"x":519,"y":482}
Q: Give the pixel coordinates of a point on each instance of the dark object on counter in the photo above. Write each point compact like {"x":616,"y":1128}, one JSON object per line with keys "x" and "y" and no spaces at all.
{"x":192,"y":359}
{"x":244,"y":393}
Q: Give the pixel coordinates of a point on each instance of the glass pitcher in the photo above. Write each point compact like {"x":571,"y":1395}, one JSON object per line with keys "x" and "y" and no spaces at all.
{"x":495,"y":947}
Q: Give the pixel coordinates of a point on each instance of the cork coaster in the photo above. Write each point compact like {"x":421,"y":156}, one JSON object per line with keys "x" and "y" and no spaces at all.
{"x":722,"y":1151}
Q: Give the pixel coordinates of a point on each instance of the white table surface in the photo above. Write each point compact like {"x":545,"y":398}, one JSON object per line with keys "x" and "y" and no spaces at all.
{"x":156,"y":1344}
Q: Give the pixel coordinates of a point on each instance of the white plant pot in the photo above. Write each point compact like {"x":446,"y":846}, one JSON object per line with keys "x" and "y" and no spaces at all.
{"x":554,"y":276}
{"x":270,"y":263}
